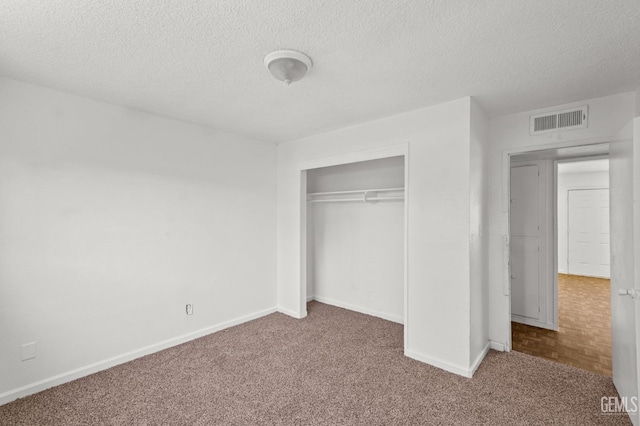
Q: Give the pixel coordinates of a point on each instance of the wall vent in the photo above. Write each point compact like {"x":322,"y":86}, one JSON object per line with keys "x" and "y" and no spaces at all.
{"x":568,"y":119}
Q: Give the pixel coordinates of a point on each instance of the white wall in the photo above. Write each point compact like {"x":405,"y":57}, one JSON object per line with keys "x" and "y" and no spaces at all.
{"x":479,"y":235}
{"x":372,"y":174}
{"x":355,"y":250}
{"x":566,"y":182}
{"x":438,"y":314}
{"x":510,"y":133}
{"x":111,"y":220}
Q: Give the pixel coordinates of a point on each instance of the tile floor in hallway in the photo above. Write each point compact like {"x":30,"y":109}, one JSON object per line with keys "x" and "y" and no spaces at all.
{"x":583,"y":338}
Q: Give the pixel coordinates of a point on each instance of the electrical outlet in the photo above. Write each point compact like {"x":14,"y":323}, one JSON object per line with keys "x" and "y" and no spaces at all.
{"x":189,"y":309}
{"x":28,"y":351}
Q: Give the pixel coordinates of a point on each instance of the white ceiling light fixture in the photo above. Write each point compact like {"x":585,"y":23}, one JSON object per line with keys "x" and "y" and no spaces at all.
{"x":288,"y":65}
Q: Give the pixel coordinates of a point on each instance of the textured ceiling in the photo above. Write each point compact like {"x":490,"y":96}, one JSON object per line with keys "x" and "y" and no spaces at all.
{"x":201,"y":61}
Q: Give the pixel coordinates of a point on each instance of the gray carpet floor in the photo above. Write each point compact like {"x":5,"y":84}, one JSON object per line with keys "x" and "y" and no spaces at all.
{"x":333,"y":367}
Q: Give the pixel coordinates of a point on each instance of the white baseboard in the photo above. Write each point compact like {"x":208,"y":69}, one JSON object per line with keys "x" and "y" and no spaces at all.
{"x":310,"y":298}
{"x":291,"y":313}
{"x":532,"y":322}
{"x":362,"y":310}
{"x":496,"y":346}
{"x":69,"y":376}
{"x":476,"y":363}
{"x":460,"y":371}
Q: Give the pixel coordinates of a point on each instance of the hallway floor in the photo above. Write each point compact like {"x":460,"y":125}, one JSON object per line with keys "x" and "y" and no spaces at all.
{"x":584,"y":336}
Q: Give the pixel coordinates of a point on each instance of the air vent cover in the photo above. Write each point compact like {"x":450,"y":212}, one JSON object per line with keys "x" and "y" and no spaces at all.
{"x":568,"y":119}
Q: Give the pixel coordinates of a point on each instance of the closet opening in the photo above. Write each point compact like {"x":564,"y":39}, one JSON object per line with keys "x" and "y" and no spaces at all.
{"x":353,"y":245}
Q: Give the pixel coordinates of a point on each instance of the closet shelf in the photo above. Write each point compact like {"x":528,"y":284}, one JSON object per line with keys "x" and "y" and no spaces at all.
{"x":344,"y":200}
{"x":358,"y":191}
{"x":311,"y":197}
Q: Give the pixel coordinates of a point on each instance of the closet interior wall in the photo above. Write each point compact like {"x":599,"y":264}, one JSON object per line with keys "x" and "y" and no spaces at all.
{"x":355,"y":248}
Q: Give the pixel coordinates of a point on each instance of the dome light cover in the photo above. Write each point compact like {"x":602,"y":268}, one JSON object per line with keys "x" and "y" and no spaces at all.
{"x":288,"y":65}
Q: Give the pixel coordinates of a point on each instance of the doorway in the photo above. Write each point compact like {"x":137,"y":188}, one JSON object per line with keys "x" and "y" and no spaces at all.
{"x":570,"y":238}
{"x":307,"y":287}
{"x":624,"y":296}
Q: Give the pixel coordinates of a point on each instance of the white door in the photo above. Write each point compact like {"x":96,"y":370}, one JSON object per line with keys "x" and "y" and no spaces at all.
{"x":524,"y":242}
{"x":588,"y":229}
{"x":624,"y":308}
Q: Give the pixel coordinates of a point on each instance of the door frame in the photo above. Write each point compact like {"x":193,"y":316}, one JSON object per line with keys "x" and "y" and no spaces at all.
{"x":505,"y":209}
{"x":400,"y":150}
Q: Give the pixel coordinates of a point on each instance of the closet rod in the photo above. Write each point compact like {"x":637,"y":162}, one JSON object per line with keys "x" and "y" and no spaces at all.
{"x":344,"y":200}
{"x":356,"y":191}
